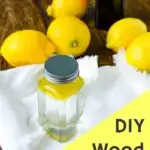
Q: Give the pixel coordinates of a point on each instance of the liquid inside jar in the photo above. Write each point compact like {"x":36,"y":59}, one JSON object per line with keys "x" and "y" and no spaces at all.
{"x":60,"y":107}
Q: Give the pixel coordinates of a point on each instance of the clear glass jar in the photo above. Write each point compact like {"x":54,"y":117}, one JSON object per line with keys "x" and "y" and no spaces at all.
{"x":60,"y":101}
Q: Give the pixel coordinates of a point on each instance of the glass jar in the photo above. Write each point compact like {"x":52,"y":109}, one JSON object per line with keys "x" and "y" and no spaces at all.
{"x":60,"y":101}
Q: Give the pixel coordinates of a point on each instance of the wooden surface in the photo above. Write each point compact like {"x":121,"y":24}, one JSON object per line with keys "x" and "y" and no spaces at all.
{"x":97,"y":47}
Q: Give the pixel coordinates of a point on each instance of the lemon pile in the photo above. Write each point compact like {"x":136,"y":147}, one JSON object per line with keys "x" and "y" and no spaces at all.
{"x":132,"y":35}
{"x":66,"y":34}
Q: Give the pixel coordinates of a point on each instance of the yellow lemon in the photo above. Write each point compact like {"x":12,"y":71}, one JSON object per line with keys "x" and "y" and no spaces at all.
{"x":70,"y":35}
{"x":123,"y":32}
{"x":26,"y":47}
{"x":67,"y":7}
{"x":138,"y":53}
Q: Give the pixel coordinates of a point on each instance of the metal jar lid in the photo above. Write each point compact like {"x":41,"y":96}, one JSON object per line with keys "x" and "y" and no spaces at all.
{"x":61,"y":69}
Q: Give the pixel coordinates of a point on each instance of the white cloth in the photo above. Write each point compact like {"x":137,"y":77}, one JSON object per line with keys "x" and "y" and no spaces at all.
{"x":139,"y":81}
{"x":19,"y":130}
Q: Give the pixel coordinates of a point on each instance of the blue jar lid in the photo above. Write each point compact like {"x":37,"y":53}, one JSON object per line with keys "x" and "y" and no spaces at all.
{"x":61,"y":69}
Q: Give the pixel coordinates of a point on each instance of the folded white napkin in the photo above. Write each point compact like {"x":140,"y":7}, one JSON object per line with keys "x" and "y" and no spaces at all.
{"x":19,"y":129}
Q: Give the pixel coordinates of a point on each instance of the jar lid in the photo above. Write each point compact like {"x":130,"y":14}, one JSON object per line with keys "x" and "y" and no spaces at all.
{"x":61,"y":69}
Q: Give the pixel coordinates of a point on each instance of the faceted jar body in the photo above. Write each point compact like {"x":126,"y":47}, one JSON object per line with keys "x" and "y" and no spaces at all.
{"x":60,"y":107}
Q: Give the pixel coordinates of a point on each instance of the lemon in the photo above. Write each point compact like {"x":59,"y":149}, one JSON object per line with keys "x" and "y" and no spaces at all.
{"x":67,"y":7}
{"x":138,"y":53}
{"x":123,"y":32}
{"x":70,"y":35}
{"x":26,"y":47}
